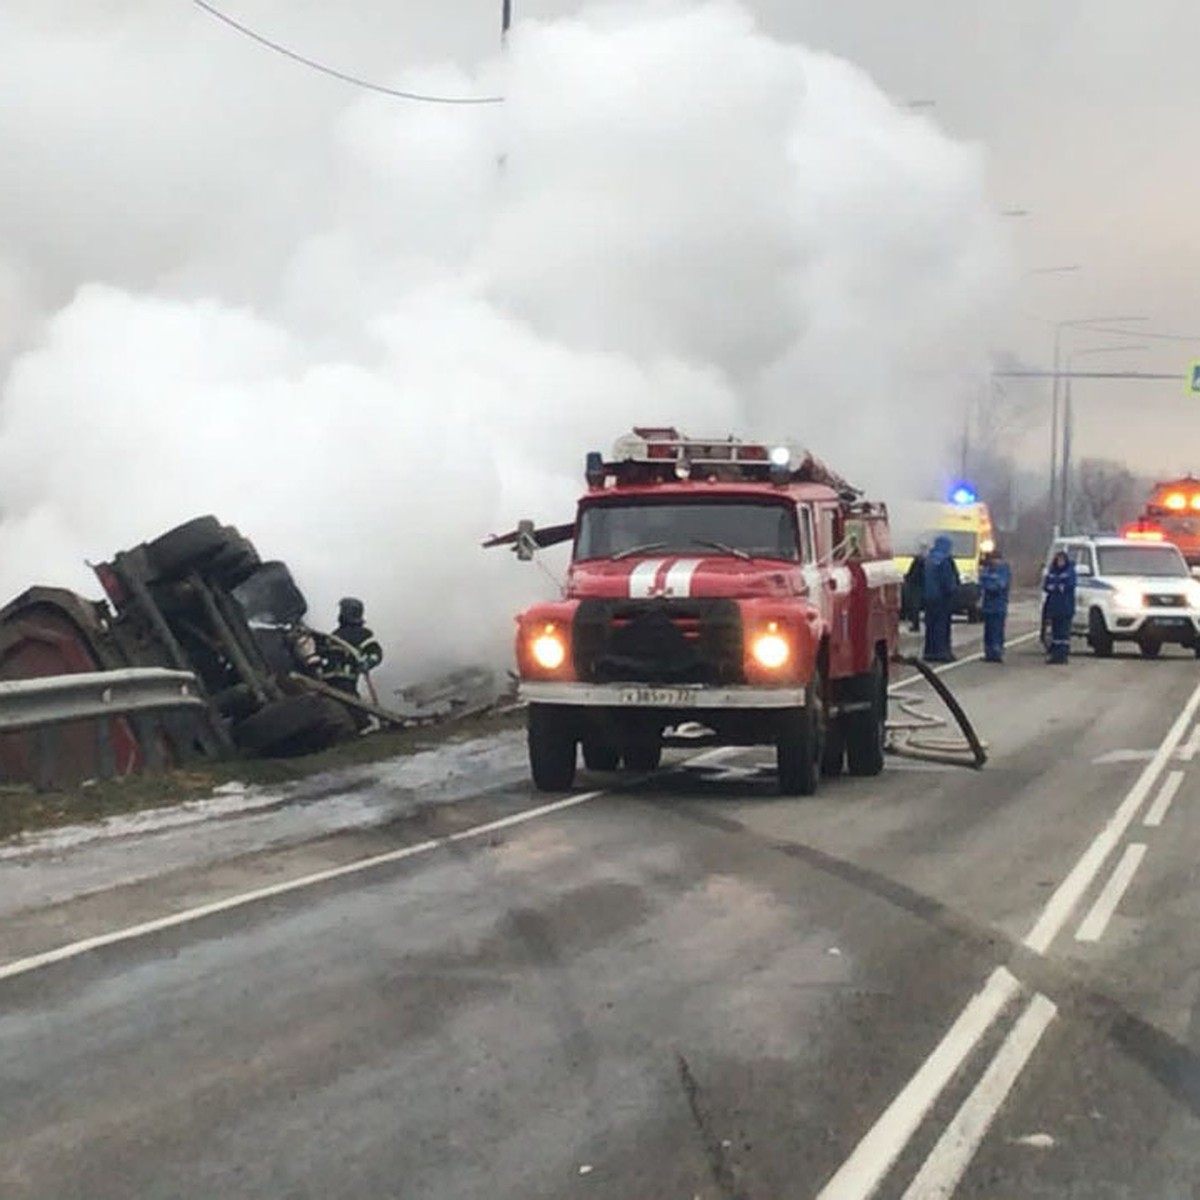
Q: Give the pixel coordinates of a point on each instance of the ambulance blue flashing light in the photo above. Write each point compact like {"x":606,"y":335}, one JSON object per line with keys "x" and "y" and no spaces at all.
{"x":962,"y":494}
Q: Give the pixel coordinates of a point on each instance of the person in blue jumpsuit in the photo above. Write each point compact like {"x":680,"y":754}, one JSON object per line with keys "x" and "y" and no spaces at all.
{"x":995,"y":580}
{"x":941,"y":589}
{"x":1059,"y":587}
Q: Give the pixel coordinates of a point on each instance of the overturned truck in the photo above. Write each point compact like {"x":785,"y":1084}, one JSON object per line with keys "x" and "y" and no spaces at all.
{"x":198,"y":598}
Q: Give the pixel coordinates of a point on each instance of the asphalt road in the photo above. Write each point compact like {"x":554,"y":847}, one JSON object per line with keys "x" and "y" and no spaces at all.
{"x":938,"y":982}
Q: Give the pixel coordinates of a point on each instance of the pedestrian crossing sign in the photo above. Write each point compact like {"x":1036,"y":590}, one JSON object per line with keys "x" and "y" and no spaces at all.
{"x":1194,"y":379}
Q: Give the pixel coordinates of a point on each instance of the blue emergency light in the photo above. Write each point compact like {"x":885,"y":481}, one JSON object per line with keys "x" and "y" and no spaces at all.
{"x":594,"y":468}
{"x":963,"y":493}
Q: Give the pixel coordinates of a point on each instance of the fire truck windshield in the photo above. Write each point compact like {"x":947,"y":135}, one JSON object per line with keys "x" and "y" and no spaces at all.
{"x":738,"y":527}
{"x":1158,"y":561}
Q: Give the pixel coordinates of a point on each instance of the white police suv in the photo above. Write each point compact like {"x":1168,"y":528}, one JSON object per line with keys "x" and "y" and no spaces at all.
{"x":1132,"y":591}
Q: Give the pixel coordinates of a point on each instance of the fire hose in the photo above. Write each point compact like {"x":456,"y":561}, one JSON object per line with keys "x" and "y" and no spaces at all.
{"x":909,"y":736}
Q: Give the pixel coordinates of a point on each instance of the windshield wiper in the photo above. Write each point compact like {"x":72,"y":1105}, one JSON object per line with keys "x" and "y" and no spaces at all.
{"x":631,"y":550}
{"x":723,"y":547}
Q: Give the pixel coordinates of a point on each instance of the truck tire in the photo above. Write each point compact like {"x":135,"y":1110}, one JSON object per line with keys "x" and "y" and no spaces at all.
{"x":1100,"y":640}
{"x":600,"y":756}
{"x":187,"y":546}
{"x":643,"y":756}
{"x":234,"y":564}
{"x":295,"y":725}
{"x":798,"y":749}
{"x":552,"y":738}
{"x":866,"y":730}
{"x":833,"y":752}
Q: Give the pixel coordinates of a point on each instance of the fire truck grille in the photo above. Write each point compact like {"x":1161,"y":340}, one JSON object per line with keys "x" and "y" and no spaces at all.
{"x":658,"y":641}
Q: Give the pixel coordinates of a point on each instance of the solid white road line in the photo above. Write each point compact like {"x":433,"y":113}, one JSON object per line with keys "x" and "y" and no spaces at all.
{"x":1193,"y":744}
{"x":1096,"y":922}
{"x":1162,"y":802}
{"x":961,"y":662}
{"x":948,"y":1161}
{"x":862,"y":1173}
{"x":1066,"y":898}
{"x":128,"y":933}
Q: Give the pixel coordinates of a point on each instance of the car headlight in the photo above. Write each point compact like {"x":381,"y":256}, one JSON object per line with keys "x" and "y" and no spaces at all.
{"x":1127,"y":597}
{"x":771,"y":649}
{"x":548,"y":649}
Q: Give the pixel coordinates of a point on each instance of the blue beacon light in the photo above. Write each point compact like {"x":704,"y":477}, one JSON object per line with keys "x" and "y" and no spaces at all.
{"x":963,"y":494}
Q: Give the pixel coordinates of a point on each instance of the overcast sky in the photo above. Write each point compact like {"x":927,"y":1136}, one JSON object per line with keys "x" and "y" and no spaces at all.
{"x":1087,"y":111}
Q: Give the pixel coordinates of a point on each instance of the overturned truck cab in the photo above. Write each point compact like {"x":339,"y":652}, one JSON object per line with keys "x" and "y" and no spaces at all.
{"x":739,"y":589}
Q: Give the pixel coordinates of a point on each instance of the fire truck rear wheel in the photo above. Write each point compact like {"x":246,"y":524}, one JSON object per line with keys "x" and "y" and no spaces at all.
{"x":833,"y":752}
{"x":798,"y":749}
{"x":600,"y":756}
{"x":866,"y":730}
{"x":552,"y":738}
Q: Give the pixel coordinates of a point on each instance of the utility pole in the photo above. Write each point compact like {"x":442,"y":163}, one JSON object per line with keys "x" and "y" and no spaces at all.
{"x":505,"y":26}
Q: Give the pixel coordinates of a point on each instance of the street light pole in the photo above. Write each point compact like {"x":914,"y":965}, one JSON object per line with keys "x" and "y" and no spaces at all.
{"x":1052,"y":499}
{"x":1064,"y":509}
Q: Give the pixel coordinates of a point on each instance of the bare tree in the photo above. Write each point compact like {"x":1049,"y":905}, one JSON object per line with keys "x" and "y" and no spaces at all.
{"x":1104,"y":494}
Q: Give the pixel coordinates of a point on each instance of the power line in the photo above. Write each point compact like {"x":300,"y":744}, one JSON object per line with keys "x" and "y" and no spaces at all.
{"x":213,"y":11}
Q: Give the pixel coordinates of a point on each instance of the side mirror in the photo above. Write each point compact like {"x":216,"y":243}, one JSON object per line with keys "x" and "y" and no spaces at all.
{"x":526,"y":546}
{"x":1082,"y":569}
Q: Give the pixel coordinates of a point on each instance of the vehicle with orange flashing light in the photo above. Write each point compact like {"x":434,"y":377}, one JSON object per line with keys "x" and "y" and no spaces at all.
{"x":1171,"y":514}
{"x":740,"y":593}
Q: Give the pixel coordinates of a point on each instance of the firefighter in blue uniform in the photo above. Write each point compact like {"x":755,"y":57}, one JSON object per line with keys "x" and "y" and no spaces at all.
{"x":941,"y":589}
{"x":351,"y":650}
{"x":995,"y":579}
{"x":1059,"y":587}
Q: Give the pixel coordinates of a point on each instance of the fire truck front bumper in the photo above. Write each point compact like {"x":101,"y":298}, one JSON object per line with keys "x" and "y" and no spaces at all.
{"x":696,"y":697}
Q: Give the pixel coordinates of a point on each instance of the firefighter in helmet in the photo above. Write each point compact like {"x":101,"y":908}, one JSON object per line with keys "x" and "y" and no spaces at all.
{"x":351,"y":650}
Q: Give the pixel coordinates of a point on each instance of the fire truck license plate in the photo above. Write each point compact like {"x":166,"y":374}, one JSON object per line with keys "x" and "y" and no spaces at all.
{"x":658,"y":697}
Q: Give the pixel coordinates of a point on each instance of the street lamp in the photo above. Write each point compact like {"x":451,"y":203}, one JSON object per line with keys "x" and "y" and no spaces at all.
{"x":1059,"y":327}
{"x":1065,"y":495}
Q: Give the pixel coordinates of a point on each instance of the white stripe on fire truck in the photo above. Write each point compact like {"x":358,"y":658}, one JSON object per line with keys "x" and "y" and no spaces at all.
{"x":642,"y":577}
{"x":679,"y":577}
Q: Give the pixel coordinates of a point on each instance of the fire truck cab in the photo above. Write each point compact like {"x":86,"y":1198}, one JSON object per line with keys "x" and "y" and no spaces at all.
{"x":737,"y":589}
{"x":1171,"y":514}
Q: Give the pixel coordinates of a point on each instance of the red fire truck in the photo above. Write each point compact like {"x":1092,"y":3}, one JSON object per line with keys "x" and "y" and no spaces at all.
{"x":741,"y":590}
{"x":1171,"y":514}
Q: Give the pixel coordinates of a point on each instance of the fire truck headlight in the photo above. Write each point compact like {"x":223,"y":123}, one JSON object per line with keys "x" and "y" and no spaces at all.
{"x":771,"y":649}
{"x":548,"y":649}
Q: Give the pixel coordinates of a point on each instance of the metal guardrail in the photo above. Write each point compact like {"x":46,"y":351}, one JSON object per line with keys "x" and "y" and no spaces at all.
{"x":53,"y":699}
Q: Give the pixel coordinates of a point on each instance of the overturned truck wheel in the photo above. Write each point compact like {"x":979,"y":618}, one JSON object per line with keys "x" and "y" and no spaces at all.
{"x":295,"y":725}
{"x":187,"y":546}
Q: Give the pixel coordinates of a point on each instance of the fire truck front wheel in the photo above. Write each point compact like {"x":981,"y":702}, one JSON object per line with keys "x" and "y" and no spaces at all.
{"x":866,"y":729}
{"x":553,"y":736}
{"x":798,"y":749}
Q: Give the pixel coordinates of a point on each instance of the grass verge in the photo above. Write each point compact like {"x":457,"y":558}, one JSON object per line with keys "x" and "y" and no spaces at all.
{"x":24,"y":810}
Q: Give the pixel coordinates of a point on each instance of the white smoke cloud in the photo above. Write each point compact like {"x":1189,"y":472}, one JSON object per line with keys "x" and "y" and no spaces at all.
{"x":342,"y":326}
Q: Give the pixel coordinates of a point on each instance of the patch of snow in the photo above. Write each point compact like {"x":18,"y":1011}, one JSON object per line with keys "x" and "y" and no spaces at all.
{"x":238,"y":819}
